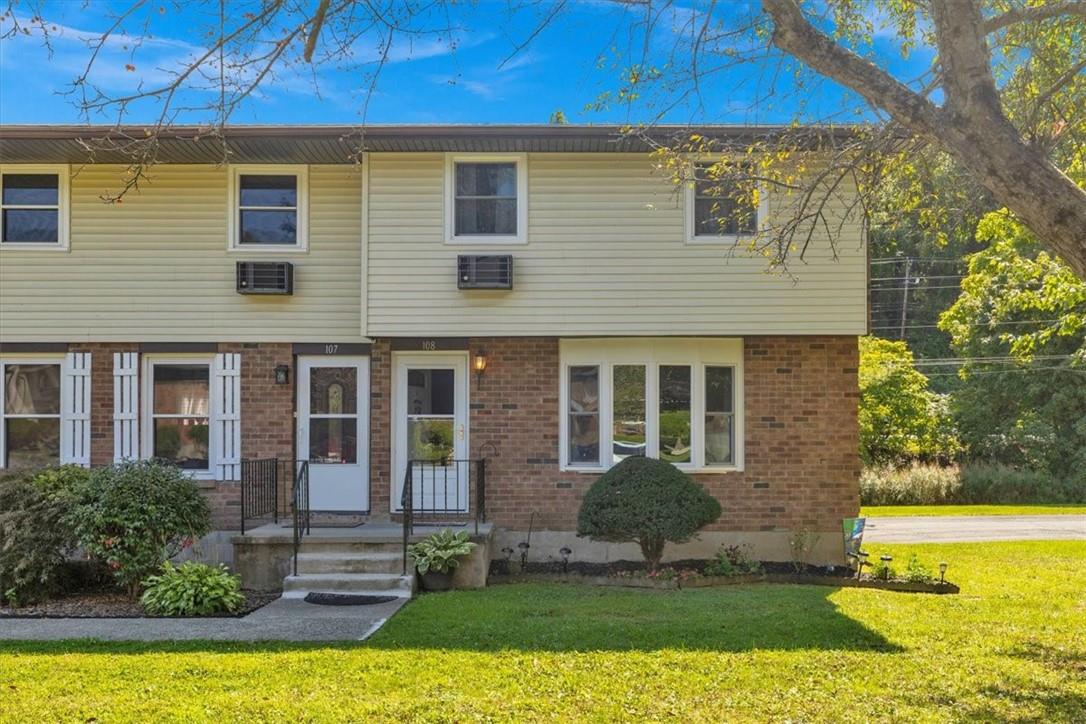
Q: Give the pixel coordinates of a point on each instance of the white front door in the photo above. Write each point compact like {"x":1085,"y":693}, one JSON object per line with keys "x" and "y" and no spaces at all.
{"x":430,"y":423}
{"x":333,"y":431}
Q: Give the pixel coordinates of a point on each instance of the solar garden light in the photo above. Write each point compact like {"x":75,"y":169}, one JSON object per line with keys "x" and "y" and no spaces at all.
{"x":886,"y":566}
{"x":508,"y":553}
{"x":524,"y":546}
{"x":942,"y":572}
{"x":861,"y":561}
{"x":565,"y":553}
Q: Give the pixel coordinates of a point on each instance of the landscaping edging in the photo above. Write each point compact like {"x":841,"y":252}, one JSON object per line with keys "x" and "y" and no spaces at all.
{"x":110,"y":604}
{"x":719,"y":581}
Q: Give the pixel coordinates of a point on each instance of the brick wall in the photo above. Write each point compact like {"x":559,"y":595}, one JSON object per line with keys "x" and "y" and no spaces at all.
{"x":267,"y":414}
{"x":802,"y":465}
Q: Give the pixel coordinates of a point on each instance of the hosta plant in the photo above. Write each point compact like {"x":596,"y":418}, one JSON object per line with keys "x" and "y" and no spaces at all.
{"x":440,"y":552}
{"x":192,"y":589}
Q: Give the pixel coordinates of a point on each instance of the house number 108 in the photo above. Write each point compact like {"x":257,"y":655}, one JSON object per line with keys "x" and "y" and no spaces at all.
{"x":429,"y":345}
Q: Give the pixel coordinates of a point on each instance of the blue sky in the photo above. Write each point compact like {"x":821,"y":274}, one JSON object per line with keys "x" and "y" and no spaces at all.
{"x":567,"y":66}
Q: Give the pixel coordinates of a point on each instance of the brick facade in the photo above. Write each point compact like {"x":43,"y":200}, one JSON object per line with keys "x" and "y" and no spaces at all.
{"x":802,"y":463}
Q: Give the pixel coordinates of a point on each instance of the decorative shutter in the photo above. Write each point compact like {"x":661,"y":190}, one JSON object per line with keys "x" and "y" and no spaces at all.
{"x":125,"y":406}
{"x":226,"y":416}
{"x":75,"y":405}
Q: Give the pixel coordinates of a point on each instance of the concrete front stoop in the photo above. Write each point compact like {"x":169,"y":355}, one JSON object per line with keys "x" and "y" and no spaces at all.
{"x":365,"y":560}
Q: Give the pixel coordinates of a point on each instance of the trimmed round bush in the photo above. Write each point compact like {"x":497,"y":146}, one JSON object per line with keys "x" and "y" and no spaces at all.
{"x":645,"y":501}
{"x":192,"y":589}
{"x":134,"y":516}
{"x":35,"y":536}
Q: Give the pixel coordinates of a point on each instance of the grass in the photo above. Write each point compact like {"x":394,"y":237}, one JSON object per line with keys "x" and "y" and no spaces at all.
{"x":1012,"y":646}
{"x":895,"y":511}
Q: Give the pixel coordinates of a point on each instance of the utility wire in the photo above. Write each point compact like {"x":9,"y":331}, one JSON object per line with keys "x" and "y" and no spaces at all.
{"x":1006,"y":372}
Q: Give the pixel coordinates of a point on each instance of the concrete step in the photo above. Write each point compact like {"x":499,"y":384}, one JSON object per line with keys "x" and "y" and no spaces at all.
{"x":364,"y":583}
{"x":350,"y":562}
{"x":353,"y":546}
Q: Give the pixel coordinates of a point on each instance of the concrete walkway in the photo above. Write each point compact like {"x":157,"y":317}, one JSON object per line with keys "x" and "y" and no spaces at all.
{"x":977,"y":528}
{"x":284,"y":619}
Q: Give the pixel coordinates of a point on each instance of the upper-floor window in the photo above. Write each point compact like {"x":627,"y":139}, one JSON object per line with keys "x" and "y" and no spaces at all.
{"x":268,"y":207}
{"x":34,"y":205}
{"x":486,"y":199}
{"x":718,"y":208}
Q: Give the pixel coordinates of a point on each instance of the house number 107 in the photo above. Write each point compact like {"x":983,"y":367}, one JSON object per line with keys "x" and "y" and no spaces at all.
{"x":331,"y":348}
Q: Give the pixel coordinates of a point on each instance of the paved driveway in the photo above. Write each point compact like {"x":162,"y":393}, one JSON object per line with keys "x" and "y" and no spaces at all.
{"x":964,"y":529}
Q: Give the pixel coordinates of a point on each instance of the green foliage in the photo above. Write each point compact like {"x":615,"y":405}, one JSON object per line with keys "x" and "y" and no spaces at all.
{"x":440,"y":552}
{"x":1020,"y":302}
{"x":646,"y":501}
{"x":733,"y":560}
{"x":916,"y":571}
{"x":35,"y":538}
{"x":192,"y":589}
{"x":882,"y":570}
{"x":900,"y":418}
{"x":974,"y":483}
{"x":136,"y":515}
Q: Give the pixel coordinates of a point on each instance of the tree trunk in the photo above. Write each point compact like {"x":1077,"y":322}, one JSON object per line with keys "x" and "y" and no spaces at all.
{"x":971,"y":126}
{"x":653,"y":550}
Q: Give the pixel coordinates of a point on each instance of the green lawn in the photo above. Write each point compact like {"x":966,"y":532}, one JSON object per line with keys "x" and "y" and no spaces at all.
{"x":894,"y":511}
{"x":1012,"y":646}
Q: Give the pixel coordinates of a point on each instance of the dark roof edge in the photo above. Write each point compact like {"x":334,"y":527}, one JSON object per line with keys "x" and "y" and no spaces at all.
{"x":377,"y":131}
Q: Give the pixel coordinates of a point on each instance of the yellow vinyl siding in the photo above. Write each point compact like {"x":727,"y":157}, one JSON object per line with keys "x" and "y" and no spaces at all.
{"x":156,"y":267}
{"x":606,"y":255}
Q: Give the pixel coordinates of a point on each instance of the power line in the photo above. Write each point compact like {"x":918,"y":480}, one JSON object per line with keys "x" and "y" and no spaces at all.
{"x":973,"y":324}
{"x":943,"y":361}
{"x":918,"y":277}
{"x":1006,"y":372}
{"x":922,"y":260}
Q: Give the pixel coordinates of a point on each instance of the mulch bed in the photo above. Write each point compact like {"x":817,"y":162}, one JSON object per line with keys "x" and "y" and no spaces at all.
{"x":617,"y":573}
{"x":111,"y":604}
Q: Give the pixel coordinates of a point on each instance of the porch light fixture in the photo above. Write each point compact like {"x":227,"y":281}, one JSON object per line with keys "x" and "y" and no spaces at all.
{"x":479,"y":363}
{"x":282,"y":375}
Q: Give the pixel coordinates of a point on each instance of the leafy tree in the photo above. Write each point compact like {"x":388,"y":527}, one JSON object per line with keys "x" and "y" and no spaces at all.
{"x":1020,"y":322}
{"x":900,"y":418}
{"x":645,"y":501}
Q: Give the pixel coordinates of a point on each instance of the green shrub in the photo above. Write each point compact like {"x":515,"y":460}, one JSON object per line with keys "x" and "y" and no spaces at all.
{"x":917,"y":572}
{"x":733,"y":561}
{"x":35,"y":537}
{"x":883,"y":571}
{"x":968,"y":485}
{"x":645,"y":501}
{"x":192,"y":589}
{"x":440,"y":552}
{"x":136,"y":515}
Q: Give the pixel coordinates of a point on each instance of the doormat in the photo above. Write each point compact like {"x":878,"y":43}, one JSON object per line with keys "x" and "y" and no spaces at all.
{"x":345,"y":599}
{"x":332,"y":520}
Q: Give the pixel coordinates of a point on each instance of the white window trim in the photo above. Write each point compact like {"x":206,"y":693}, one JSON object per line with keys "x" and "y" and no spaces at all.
{"x":697,"y":353}
{"x":695,"y":239}
{"x":299,"y":171}
{"x":521,"y":161}
{"x":64,"y":177}
{"x":16,"y":359}
{"x":147,"y":426}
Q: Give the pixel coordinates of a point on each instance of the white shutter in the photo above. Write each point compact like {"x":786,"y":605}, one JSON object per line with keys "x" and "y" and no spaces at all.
{"x":125,"y":406}
{"x":75,"y":405}
{"x":226,"y":416}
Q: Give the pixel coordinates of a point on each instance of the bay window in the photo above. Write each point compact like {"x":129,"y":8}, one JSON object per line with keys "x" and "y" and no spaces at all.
{"x":673,"y":399}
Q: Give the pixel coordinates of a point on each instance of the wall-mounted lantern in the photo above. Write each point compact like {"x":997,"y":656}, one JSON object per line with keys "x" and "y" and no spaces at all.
{"x":479,"y":363}
{"x":282,"y":375}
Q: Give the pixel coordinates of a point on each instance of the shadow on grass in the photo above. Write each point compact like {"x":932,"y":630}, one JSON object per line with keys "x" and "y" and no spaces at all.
{"x":1044,"y":704}
{"x":556,"y":618}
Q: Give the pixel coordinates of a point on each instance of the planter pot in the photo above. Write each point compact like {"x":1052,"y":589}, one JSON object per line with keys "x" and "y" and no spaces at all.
{"x":434,"y":581}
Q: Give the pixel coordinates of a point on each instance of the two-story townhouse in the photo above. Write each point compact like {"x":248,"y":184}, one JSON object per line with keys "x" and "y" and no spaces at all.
{"x":535,"y":296}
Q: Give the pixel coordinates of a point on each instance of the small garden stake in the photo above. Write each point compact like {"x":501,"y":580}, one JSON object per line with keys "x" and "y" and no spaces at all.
{"x":524,"y":545}
{"x":565,"y":553}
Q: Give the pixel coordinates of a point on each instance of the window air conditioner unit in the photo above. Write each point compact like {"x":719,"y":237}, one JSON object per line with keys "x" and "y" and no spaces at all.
{"x":265,"y":277}
{"x":484,"y":271}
